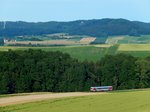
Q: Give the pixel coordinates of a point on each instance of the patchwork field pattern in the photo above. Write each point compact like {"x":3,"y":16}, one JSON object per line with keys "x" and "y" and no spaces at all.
{"x":48,"y":42}
{"x":93,"y":52}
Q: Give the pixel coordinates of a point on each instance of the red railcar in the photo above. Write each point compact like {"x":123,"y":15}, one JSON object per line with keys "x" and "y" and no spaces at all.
{"x":101,"y":88}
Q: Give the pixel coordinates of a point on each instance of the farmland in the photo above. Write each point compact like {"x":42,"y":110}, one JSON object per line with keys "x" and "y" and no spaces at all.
{"x":136,"y":50}
{"x":130,"y":101}
{"x":51,"y":39}
{"x":83,"y":47}
{"x":93,"y":52}
{"x":144,"y":39}
{"x":88,"y":40}
{"x":134,"y":47}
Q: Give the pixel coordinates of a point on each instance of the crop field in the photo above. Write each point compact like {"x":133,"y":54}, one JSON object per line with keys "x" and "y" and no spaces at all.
{"x":48,"y":42}
{"x":50,"y":39}
{"x":90,"y":52}
{"x":114,"y":40}
{"x":141,"y":54}
{"x":56,"y":36}
{"x":144,"y":39}
{"x":134,"y":47}
{"x":130,"y":101}
{"x":136,"y":50}
{"x":87,"y":40}
{"x":93,"y":52}
{"x":99,"y":40}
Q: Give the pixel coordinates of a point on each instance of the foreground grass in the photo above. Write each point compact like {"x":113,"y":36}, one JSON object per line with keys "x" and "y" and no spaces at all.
{"x":136,"y":101}
{"x":22,"y":94}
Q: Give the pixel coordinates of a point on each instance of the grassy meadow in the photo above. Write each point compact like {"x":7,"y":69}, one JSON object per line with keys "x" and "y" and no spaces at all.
{"x":131,"y":101}
{"x":143,"y":39}
{"x":90,"y":52}
{"x":93,"y":52}
{"x":134,"y":47}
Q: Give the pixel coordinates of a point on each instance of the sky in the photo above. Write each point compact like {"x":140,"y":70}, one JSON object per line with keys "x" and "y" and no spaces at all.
{"x":69,"y":10}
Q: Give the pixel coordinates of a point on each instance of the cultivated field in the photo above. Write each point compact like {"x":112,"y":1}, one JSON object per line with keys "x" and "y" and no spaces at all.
{"x":144,"y":39}
{"x":114,"y":40}
{"x":90,"y":52}
{"x":134,"y":47}
{"x":53,"y":39}
{"x":48,"y":42}
{"x":87,"y":40}
{"x":93,"y":52}
{"x":130,"y":101}
{"x":137,"y":53}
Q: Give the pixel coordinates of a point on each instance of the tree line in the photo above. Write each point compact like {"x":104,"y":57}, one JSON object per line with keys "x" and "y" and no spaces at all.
{"x":40,"y":71}
{"x":96,"y":28}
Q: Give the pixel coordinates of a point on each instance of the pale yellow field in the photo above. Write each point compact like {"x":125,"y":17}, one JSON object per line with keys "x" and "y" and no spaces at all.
{"x":103,"y":45}
{"x":134,"y":47}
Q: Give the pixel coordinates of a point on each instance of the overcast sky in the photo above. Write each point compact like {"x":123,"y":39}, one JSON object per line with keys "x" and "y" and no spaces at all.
{"x":68,"y":10}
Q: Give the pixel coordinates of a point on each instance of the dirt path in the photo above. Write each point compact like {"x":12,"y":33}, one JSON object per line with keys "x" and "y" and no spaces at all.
{"x":38,"y":97}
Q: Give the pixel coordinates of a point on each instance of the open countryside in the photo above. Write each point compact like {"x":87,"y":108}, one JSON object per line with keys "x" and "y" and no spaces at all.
{"x":129,"y":101}
{"x":93,"y":52}
{"x":74,"y":56}
{"x":32,"y":97}
{"x":134,"y":47}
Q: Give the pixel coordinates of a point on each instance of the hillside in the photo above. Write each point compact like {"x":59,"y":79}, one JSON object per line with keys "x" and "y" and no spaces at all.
{"x":97,"y":28}
{"x":134,"y":101}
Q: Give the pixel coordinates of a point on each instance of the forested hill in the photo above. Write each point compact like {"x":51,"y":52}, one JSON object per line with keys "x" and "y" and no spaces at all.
{"x":40,"y":71}
{"x":98,"y":28}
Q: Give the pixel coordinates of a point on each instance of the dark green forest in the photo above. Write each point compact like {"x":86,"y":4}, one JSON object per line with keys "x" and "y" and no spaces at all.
{"x":96,"y":28}
{"x":40,"y":71}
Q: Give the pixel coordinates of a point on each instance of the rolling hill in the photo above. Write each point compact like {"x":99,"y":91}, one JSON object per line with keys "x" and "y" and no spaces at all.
{"x":97,"y":28}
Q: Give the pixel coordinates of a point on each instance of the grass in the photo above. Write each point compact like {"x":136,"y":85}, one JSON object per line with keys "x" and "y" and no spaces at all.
{"x":134,"y":101}
{"x":134,"y":47}
{"x":114,"y":40}
{"x":141,"y":54}
{"x":90,"y":53}
{"x":112,"y":50}
{"x":145,"y":39}
{"x":22,"y":94}
{"x":94,"y":52}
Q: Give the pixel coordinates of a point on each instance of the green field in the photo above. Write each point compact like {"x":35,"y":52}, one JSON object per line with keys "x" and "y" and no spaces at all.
{"x":134,"y":47}
{"x":90,"y":53}
{"x":94,"y":52}
{"x":133,"y":101}
{"x":137,"y":53}
{"x":144,"y":39}
{"x":136,"y":50}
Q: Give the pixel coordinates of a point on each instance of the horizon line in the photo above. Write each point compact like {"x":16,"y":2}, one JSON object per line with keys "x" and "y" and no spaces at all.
{"x":70,"y":20}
